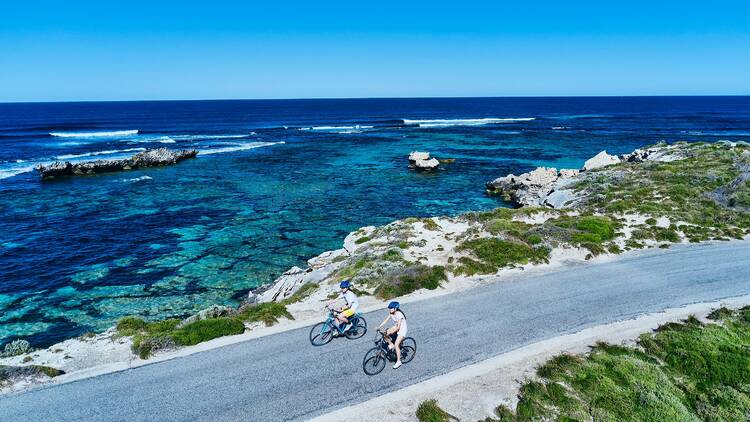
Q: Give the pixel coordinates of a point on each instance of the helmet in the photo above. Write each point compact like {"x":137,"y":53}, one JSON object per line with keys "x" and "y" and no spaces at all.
{"x":394,"y":305}
{"x":345,"y":284}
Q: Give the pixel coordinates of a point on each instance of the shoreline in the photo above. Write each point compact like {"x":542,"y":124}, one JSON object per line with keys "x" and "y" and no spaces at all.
{"x":419,"y":258}
{"x":129,"y":360}
{"x":474,"y":391}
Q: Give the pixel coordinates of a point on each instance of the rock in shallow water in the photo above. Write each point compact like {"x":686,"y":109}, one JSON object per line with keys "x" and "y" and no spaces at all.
{"x":149,"y":158}
{"x":422,"y":161}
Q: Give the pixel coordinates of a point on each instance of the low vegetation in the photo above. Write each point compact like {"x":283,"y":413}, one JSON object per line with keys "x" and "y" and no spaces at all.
{"x":10,"y":373}
{"x":429,"y":411}
{"x":704,"y":194}
{"x":148,"y":337}
{"x":686,"y":371}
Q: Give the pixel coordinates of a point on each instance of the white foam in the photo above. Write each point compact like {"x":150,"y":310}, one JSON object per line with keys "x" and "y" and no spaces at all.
{"x":428,"y":123}
{"x":138,"y":179}
{"x":208,"y":137}
{"x":14,"y":170}
{"x":238,"y":147}
{"x":95,"y":134}
{"x":159,"y":139}
{"x":95,"y":153}
{"x":342,"y":129}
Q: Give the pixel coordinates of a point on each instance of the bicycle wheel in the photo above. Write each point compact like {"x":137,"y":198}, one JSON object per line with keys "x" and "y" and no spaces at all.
{"x":408,"y":349}
{"x":321,"y":334}
{"x":359,"y":328}
{"x":374,"y":361}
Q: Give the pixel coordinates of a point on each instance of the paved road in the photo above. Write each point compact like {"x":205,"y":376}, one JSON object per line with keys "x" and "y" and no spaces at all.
{"x":282,"y":377}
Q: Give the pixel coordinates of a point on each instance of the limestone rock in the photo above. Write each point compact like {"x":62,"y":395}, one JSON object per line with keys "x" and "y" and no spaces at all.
{"x":422,"y":161}
{"x":215,"y":311}
{"x":600,"y":160}
{"x":417,"y":155}
{"x":149,"y":158}
{"x":284,"y":286}
{"x":430,"y":164}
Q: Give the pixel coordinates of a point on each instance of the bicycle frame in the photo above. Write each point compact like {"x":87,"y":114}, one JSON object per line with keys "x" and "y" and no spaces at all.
{"x":331,"y":321}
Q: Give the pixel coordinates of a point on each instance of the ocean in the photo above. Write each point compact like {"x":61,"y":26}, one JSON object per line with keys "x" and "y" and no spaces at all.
{"x":275,"y":183}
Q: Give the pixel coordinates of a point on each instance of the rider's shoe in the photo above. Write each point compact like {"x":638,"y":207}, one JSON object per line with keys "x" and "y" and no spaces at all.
{"x":397,"y":365}
{"x":347,"y":327}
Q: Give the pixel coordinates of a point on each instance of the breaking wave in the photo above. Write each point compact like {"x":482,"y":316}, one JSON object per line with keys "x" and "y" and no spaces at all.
{"x":95,"y":153}
{"x":428,"y":123}
{"x":237,"y":147}
{"x":94,"y":134}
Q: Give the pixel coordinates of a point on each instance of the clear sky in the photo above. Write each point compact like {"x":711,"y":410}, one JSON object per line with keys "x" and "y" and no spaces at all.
{"x":107,"y":50}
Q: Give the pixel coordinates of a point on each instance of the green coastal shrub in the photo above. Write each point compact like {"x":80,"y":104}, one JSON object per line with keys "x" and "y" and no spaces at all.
{"x":685,"y":371}
{"x":302,"y":293}
{"x":361,"y":240}
{"x":411,"y":279}
{"x":268,"y":313}
{"x":207,"y":329}
{"x":429,"y":411}
{"x":492,"y":254}
{"x":148,"y":337}
{"x":15,"y":348}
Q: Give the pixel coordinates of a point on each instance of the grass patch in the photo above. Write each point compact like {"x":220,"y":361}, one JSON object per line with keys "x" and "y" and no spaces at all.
{"x":429,"y":411}
{"x":302,"y":293}
{"x":411,"y":279}
{"x":685,"y":371}
{"x":267,"y":313}
{"x":149,"y":337}
{"x":430,"y":224}
{"x":361,"y":240}
{"x":492,"y":254}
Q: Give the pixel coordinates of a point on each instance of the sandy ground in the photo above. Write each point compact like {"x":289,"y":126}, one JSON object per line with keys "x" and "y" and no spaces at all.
{"x":474,"y":391}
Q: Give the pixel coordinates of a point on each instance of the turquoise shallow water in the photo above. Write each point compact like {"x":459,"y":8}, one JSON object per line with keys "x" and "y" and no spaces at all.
{"x":276,"y":182}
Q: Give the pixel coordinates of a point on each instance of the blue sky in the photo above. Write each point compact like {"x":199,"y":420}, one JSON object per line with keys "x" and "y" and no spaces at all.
{"x":81,"y":50}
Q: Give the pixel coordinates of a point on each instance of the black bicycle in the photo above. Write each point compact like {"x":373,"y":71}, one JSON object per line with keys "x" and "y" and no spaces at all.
{"x":376,"y":358}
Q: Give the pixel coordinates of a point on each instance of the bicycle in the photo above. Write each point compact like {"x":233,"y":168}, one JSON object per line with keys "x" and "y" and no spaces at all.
{"x":375,"y":358}
{"x":323,"y":332}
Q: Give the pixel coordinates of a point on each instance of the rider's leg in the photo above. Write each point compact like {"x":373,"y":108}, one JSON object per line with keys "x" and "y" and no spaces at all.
{"x":399,"y":339}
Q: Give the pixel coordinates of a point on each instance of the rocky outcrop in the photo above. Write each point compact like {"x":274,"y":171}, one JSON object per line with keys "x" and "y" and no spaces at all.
{"x":422,"y":161}
{"x":149,"y":158}
{"x":285,"y":286}
{"x":532,"y":188}
{"x":551,"y":188}
{"x":600,"y":160}
{"x":215,"y":311}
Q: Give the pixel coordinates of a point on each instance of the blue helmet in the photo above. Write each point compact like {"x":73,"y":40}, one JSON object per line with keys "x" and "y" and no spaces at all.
{"x":345,"y":284}
{"x":394,"y":305}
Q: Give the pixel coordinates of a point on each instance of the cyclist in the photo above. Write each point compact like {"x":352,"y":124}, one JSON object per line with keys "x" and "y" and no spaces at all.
{"x":398,"y":329}
{"x":352,"y":303}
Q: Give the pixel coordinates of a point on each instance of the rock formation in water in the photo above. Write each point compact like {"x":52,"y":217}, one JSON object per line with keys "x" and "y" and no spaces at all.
{"x":422,"y":161}
{"x":149,"y":158}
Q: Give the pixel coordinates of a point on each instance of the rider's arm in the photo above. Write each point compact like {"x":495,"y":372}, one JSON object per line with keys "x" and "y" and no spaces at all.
{"x":384,"y":321}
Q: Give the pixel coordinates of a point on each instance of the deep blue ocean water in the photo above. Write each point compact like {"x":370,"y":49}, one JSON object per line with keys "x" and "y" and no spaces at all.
{"x":275,"y":183}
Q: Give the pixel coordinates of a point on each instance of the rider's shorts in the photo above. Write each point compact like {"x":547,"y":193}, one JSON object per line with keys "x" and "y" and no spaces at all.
{"x":346,"y":313}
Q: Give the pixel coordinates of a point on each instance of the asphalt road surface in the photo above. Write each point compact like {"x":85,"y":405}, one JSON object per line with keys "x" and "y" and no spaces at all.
{"x":283,"y":377}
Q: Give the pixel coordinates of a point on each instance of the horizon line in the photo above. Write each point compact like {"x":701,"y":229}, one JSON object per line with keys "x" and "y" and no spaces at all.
{"x":374,"y":98}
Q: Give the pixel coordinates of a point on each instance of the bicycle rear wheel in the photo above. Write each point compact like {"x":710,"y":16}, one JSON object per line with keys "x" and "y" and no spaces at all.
{"x":321,"y":334}
{"x":374,"y":361}
{"x":359,"y":328}
{"x":408,"y":349}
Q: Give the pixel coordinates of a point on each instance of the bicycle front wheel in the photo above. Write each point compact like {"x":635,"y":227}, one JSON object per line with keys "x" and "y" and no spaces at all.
{"x":321,"y":334}
{"x":374,"y":361}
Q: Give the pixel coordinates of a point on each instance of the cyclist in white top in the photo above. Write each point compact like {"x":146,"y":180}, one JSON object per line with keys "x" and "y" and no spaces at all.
{"x":352,"y":303}
{"x":399,"y":328}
